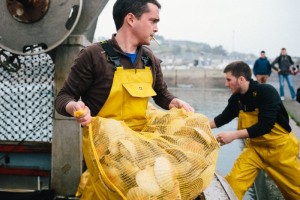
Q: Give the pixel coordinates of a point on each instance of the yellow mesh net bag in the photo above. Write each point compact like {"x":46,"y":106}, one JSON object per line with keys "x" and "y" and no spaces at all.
{"x":173,"y":157}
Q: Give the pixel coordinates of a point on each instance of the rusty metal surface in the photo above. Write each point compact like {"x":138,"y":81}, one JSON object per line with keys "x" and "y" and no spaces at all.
{"x":27,"y":11}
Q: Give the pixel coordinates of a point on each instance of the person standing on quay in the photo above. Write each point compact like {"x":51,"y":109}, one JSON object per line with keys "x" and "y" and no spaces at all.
{"x":284,"y":62}
{"x":263,"y":122}
{"x":262,"y":68}
{"x":119,"y":86}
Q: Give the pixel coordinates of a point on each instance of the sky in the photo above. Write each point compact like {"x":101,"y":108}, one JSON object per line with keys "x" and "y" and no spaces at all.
{"x":238,"y":25}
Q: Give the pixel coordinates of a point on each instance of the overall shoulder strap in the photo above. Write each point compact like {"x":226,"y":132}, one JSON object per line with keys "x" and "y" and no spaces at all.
{"x":114,"y":57}
{"x":111,"y":53}
{"x":145,"y":59}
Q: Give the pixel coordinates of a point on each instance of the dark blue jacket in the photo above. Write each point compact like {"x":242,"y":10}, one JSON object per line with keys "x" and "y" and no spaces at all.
{"x":262,"y":66}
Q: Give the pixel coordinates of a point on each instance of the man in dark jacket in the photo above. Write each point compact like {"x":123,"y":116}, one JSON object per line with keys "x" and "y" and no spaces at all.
{"x":262,"y":68}
{"x":270,"y":144}
{"x":284,"y":62}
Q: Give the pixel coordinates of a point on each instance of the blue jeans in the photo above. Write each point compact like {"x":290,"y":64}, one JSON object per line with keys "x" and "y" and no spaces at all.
{"x":288,"y":79}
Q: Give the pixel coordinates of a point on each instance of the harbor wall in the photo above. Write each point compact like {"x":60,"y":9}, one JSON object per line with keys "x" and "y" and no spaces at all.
{"x":195,"y":77}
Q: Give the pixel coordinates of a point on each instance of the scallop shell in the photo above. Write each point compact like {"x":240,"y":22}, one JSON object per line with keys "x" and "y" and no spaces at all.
{"x":108,"y":160}
{"x":198,"y":161}
{"x":183,"y":168}
{"x":127,"y":148}
{"x":164,"y":173}
{"x":196,"y":187}
{"x":193,"y":121}
{"x":208,"y":174}
{"x":170,"y":138}
{"x":204,"y":135}
{"x":137,"y":193}
{"x":114,"y":175}
{"x":129,"y":168}
{"x":175,"y":125}
{"x":174,"y":193}
{"x":161,"y":117}
{"x":113,"y":129}
{"x":146,"y":161}
{"x":189,"y":144}
{"x":212,"y":156}
{"x":196,"y":119}
{"x":178,"y":154}
{"x":145,"y":179}
{"x":191,"y":176}
{"x":186,"y":131}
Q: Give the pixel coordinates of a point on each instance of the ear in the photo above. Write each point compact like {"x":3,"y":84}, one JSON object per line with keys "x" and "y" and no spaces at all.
{"x":241,"y":80}
{"x":129,"y":19}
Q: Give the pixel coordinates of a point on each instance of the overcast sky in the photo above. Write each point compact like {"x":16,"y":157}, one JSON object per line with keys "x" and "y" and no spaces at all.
{"x":247,"y":26}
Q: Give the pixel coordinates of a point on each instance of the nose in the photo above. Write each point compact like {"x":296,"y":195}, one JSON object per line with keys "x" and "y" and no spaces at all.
{"x":226,"y":84}
{"x":155,"y":28}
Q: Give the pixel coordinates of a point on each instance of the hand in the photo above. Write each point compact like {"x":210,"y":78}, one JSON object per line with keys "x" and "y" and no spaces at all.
{"x":177,"y":103}
{"x":225,"y":138}
{"x":83,"y":116}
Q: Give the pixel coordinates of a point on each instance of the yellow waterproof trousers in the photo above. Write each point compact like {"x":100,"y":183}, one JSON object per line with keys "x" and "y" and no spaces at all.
{"x":279,"y":160}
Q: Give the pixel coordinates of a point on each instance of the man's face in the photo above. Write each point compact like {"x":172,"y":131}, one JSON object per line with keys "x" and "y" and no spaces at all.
{"x":145,"y":27}
{"x":232,"y":83}
{"x":283,"y":52}
{"x":262,"y":55}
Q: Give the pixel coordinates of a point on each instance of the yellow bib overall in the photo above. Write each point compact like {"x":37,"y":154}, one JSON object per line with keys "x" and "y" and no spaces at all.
{"x":276,"y":153}
{"x":127,"y":101}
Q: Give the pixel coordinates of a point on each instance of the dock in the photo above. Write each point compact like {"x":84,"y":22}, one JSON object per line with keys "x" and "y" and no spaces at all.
{"x":293,"y":109}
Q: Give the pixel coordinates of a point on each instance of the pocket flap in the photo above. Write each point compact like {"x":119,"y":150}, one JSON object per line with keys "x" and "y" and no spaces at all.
{"x":139,"y":89}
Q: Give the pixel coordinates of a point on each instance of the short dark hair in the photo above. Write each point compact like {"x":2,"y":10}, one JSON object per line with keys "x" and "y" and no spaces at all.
{"x":136,"y":7}
{"x":262,"y":52}
{"x":239,"y":68}
{"x":282,"y":49}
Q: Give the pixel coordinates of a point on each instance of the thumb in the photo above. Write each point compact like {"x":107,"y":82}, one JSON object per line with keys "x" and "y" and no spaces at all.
{"x":79,"y":106}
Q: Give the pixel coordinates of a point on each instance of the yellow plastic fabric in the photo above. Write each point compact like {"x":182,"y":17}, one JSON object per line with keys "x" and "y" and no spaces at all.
{"x":247,"y":119}
{"x":276,"y":153}
{"x":173,"y":157}
{"x":129,"y":96}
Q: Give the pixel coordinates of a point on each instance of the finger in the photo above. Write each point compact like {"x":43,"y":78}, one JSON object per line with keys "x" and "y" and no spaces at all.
{"x":86,"y":122}
{"x":188,"y":108}
{"x":79,"y":105}
{"x":192,"y":109}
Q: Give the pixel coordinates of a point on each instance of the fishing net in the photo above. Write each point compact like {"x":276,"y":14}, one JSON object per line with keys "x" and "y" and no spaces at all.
{"x":173,"y":157}
{"x":27,"y":96}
